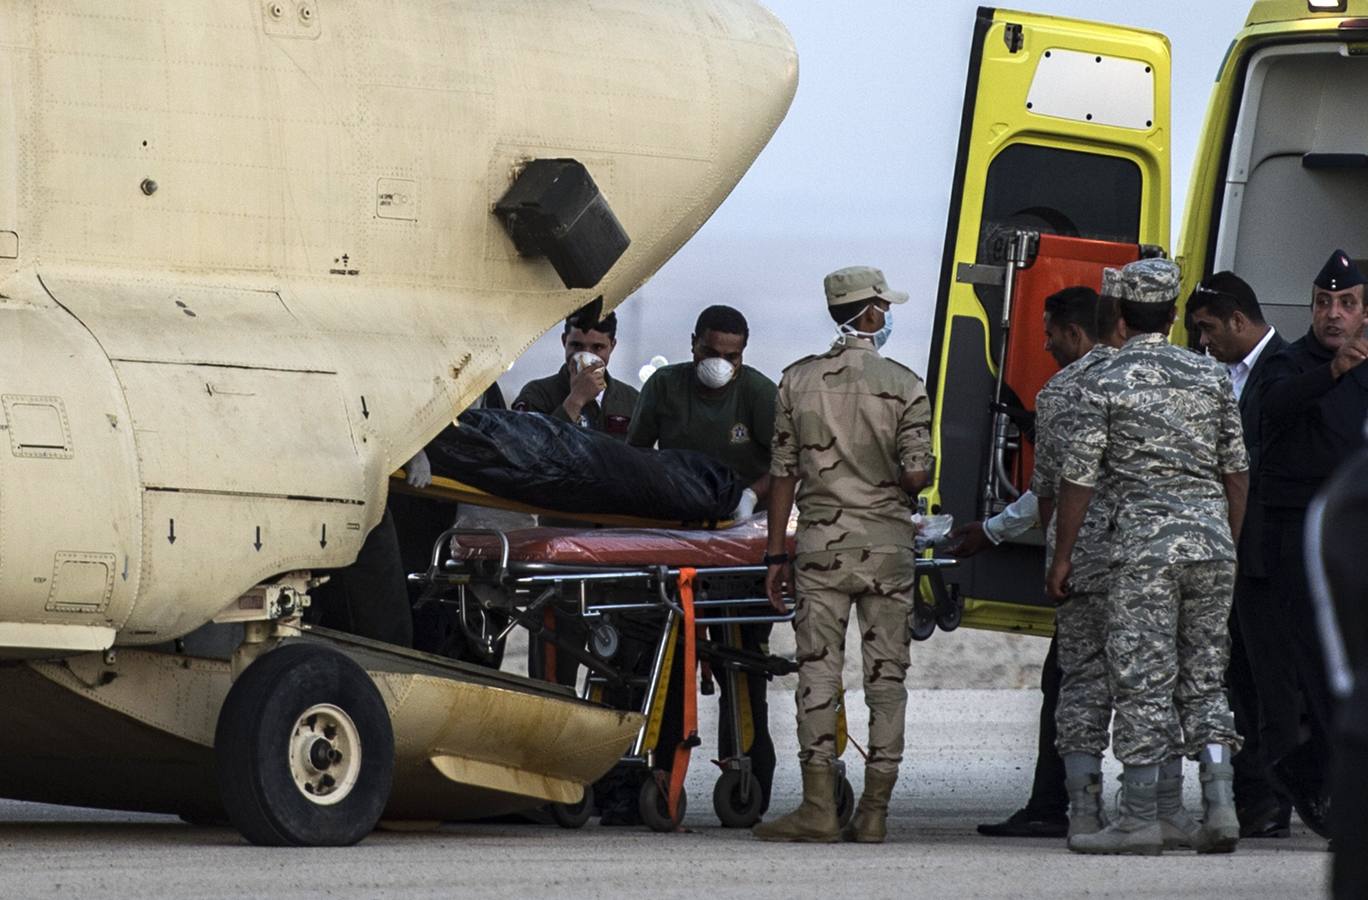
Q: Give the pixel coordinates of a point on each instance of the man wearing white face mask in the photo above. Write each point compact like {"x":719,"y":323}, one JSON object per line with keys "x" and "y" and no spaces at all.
{"x":582,"y":391}
{"x":715,"y":404}
{"x":721,"y":407}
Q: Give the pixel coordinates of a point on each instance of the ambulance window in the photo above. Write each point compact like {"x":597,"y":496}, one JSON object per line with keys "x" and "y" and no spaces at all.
{"x":1063,"y":192}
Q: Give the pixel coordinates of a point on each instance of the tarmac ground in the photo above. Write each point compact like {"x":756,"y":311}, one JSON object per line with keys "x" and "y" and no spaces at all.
{"x":968,"y":760}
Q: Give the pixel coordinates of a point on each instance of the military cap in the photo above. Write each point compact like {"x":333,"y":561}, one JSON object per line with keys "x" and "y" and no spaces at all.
{"x":856,"y":283}
{"x":1144,"y":281}
{"x":1339,"y":273}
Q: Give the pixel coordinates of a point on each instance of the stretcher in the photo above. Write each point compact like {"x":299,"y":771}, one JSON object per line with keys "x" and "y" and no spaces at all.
{"x":661,"y":587}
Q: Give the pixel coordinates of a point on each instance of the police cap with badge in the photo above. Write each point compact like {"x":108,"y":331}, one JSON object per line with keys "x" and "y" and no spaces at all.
{"x":1339,"y":273}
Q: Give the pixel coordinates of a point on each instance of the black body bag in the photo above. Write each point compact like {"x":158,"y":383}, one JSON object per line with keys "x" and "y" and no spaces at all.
{"x":551,"y":464}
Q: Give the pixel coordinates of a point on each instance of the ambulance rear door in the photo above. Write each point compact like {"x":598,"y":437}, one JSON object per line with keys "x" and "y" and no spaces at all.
{"x":1063,"y":170}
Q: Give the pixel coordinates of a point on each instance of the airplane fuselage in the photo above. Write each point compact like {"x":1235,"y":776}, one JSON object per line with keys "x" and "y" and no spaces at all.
{"x":248,"y":264}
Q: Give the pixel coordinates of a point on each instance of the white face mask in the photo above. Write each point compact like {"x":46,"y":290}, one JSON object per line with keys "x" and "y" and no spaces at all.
{"x":879,"y":337}
{"x":715,"y":372}
{"x":585,"y":360}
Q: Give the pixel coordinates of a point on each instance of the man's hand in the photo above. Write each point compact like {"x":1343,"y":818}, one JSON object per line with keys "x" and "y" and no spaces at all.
{"x":968,"y":540}
{"x":1057,"y":580}
{"x":778,"y":585}
{"x":585,"y":385}
{"x":419,"y":470}
{"x":1350,"y":355}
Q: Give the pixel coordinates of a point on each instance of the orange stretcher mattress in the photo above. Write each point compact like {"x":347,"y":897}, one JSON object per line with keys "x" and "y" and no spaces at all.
{"x":743,"y":544}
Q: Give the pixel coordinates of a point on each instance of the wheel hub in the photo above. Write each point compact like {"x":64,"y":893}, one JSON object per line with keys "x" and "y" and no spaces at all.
{"x":325,"y":754}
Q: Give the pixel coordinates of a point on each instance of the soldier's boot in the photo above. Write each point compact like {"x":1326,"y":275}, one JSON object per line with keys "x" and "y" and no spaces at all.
{"x":1179,"y":829}
{"x":1086,"y":813}
{"x":870,"y":824}
{"x":1220,"y":825}
{"x":814,"y":820}
{"x":1136,"y":829}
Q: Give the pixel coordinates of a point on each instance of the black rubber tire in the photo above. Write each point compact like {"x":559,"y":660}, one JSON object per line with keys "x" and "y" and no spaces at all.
{"x":573,"y":815}
{"x":845,"y":801}
{"x":949,"y":617}
{"x":653,"y":807}
{"x":922,"y":622}
{"x":727,"y":803}
{"x":251,"y":751}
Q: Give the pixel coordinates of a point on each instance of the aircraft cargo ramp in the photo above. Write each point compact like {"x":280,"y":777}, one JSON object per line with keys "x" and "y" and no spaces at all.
{"x":469,"y":742}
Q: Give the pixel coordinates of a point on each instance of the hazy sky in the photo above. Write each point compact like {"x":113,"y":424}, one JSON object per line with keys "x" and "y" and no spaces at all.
{"x":860,"y":172}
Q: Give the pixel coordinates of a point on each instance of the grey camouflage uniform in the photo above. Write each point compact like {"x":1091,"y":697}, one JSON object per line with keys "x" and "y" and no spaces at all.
{"x":847,"y":423}
{"x":1083,"y":714}
{"x":1161,"y":426}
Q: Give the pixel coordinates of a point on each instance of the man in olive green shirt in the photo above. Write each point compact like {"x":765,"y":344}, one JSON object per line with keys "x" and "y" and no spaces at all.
{"x":715,"y":404}
{"x":721,"y":407}
{"x":582,"y":391}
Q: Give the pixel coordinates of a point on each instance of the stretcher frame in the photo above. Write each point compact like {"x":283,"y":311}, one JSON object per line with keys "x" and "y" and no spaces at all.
{"x":685,"y":596}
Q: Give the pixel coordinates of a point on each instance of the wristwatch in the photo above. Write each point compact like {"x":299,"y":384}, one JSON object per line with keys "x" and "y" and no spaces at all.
{"x":775,"y":559}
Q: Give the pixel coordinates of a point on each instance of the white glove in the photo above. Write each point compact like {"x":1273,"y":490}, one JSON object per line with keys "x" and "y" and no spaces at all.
{"x":746,"y":508}
{"x":419,"y":471}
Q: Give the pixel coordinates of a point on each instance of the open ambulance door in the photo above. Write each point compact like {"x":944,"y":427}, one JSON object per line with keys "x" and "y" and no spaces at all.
{"x":1063,"y":170}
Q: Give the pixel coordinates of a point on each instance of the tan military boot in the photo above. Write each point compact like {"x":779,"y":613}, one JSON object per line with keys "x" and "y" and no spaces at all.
{"x":870,"y":824}
{"x":1180,"y":830}
{"x":1136,"y":829}
{"x":1220,"y":825}
{"x":1086,"y":815}
{"x":814,"y":821}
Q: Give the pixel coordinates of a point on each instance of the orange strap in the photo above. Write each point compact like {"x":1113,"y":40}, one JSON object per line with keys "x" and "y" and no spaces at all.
{"x":681,"y":759}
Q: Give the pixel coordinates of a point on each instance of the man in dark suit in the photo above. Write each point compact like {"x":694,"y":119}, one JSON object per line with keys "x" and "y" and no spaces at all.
{"x":1313,"y":404}
{"x":1224,"y":314}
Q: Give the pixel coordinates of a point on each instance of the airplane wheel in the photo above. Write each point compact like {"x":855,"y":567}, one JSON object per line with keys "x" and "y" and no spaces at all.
{"x":573,"y":815}
{"x":733,"y":811}
{"x":654,"y":808}
{"x":304,"y":749}
{"x":845,"y":801}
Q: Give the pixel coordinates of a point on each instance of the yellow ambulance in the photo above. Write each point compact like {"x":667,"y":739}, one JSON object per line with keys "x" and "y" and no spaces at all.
{"x":1064,"y":169}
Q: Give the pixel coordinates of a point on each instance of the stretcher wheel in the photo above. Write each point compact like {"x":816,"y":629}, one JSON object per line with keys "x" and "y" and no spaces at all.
{"x":948,"y":617}
{"x":732,"y":811}
{"x":845,"y":801}
{"x":573,"y":815}
{"x":654,"y":807}
{"x":922,"y":622}
{"x":304,"y":749}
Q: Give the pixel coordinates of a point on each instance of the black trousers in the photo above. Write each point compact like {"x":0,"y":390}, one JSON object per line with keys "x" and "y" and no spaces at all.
{"x":1278,"y":621}
{"x":370,"y":597}
{"x":1049,"y":798}
{"x":761,"y":753}
{"x":754,"y":637}
{"x":1253,"y":787}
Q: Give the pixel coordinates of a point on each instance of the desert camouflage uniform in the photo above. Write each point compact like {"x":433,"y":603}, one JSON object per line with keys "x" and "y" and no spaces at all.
{"x":848,"y":423}
{"x":1083,"y":716}
{"x":1161,"y":425}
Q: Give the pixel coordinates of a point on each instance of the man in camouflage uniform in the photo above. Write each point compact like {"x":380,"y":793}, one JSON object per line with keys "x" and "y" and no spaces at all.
{"x":853,"y":428}
{"x":1081,"y":334}
{"x":1161,"y":426}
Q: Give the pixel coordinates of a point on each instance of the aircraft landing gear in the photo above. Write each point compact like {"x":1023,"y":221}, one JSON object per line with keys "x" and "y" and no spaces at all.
{"x":304,"y":749}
